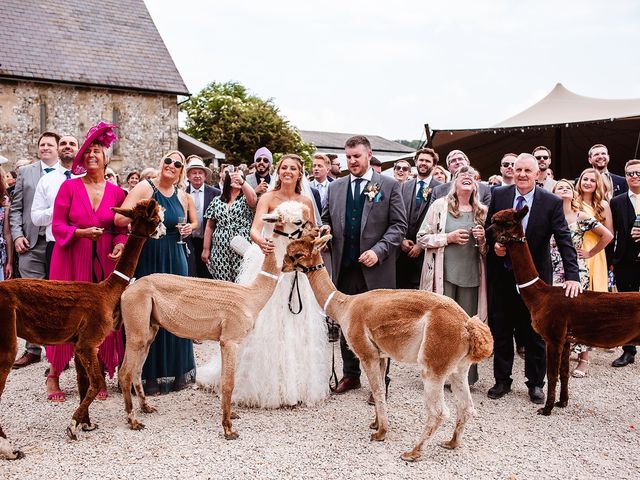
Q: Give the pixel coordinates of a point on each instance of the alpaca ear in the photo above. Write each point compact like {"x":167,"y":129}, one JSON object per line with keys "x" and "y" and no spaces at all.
{"x":125,"y":212}
{"x":151,"y":206}
{"x":520,"y":214}
{"x":319,"y":243}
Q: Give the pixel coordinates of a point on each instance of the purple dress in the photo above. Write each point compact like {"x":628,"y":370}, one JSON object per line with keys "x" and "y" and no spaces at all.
{"x":80,"y":260}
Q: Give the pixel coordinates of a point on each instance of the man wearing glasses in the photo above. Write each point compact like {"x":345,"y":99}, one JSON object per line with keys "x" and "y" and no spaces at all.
{"x":334,"y":172}
{"x":455,"y":160}
{"x":625,"y":210}
{"x":261,"y":179}
{"x":543,"y":156}
{"x":506,"y":168}
{"x":401,"y":170}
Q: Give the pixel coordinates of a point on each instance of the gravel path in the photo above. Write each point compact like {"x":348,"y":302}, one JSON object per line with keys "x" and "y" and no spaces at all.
{"x":597,"y":436}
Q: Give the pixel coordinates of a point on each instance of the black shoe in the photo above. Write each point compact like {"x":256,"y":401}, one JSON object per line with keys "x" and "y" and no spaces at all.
{"x":625,"y":359}
{"x":499,"y":390}
{"x":536,"y":395}
{"x":27,"y":358}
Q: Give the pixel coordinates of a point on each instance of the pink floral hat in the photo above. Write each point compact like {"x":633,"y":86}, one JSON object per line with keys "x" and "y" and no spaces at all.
{"x":101,"y":133}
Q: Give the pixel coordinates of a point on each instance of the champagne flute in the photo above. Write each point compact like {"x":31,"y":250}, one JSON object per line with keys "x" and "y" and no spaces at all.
{"x":474,"y":234}
{"x":182,"y":220}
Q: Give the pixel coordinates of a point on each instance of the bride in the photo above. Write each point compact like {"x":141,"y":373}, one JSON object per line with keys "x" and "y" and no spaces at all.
{"x":285,"y":360}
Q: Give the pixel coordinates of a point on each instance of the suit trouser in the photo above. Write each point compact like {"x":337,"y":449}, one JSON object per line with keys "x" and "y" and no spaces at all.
{"x":198,"y":268}
{"x":628,"y":285}
{"x":507,"y":312}
{"x":408,"y":271}
{"x":32,"y":264}
{"x":352,"y":282}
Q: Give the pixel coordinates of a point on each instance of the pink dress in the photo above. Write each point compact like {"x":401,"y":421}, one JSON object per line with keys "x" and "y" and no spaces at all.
{"x":83,"y":260}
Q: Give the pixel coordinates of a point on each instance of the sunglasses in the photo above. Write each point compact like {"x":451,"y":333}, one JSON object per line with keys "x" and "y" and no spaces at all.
{"x":508,"y":164}
{"x":262,"y":160}
{"x":542,"y":157}
{"x":176,"y":163}
{"x":109,"y":175}
{"x":635,"y":173}
{"x":404,"y":169}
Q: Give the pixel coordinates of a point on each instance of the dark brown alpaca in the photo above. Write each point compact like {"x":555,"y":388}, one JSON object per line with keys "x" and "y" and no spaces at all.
{"x":597,"y":319}
{"x":55,"y":312}
{"x":410,"y":326}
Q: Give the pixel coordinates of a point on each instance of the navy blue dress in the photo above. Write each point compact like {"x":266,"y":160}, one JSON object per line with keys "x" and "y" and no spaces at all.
{"x":170,"y":364}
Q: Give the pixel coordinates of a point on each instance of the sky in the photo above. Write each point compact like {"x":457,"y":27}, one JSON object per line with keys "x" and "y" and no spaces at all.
{"x":387,"y":68}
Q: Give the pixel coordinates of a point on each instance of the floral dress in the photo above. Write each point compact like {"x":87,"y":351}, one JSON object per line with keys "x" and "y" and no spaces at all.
{"x":235,"y":220}
{"x":578,"y":229}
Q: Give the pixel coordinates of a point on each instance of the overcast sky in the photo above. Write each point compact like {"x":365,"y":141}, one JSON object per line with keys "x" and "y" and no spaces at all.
{"x":388,"y":67}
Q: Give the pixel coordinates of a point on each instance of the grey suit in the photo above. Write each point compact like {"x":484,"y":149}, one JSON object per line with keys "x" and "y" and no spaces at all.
{"x":382,"y":228}
{"x":252,"y":179}
{"x":31,"y":264}
{"x":484,"y":192}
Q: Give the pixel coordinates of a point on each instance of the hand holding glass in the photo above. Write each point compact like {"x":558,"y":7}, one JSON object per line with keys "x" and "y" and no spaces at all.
{"x":181,"y":223}
{"x":476,"y":230}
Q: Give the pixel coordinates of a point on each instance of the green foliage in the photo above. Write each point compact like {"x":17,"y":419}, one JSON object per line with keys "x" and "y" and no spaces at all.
{"x":415,"y":144}
{"x":229,"y":118}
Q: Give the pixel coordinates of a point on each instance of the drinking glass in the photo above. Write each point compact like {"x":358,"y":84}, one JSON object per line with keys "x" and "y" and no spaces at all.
{"x":181,"y":223}
{"x":474,"y":235}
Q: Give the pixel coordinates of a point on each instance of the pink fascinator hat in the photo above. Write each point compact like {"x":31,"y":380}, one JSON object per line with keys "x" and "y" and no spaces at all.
{"x":101,"y":133}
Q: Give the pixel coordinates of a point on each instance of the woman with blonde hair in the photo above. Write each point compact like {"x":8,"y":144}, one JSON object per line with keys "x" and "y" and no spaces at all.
{"x":453,"y":237}
{"x":591,"y":200}
{"x":170,"y":364}
{"x":440,"y":174}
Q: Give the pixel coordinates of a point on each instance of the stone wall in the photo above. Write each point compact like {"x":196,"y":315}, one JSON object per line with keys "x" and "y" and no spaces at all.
{"x":148,"y":122}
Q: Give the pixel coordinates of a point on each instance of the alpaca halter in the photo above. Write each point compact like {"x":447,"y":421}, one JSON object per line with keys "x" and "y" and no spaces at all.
{"x":302,"y":268}
{"x":329,"y":298}
{"x":295,"y":235}
{"x":504,"y":239}
{"x":525,"y":285}
{"x":129,"y":280}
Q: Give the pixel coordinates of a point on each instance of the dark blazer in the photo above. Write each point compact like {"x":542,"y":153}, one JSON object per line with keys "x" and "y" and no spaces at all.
{"x":625,"y":251}
{"x":484,"y":192}
{"x":383,"y":227}
{"x":546,"y":218}
{"x":316,"y":197}
{"x":209,"y":194}
{"x":414,"y":219}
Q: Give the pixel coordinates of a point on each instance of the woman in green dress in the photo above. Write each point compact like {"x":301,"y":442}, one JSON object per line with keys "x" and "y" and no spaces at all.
{"x":170,"y":364}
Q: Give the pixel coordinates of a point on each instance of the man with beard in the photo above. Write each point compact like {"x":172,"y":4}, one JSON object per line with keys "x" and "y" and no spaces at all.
{"x":455,"y":160}
{"x":599,"y":159}
{"x":334,"y":172}
{"x":543,"y":156}
{"x":47,"y":190}
{"x":416,"y":194}
{"x":260,"y":180}
{"x":29,"y":239}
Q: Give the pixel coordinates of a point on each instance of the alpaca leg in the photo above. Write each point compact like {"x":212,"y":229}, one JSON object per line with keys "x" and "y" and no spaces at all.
{"x":125,"y":377}
{"x":436,"y":413}
{"x":564,"y":376}
{"x":372,"y":368}
{"x":88,"y":357}
{"x":464,"y":403}
{"x":383,"y":371}
{"x":137,"y":373}
{"x":553,"y":367}
{"x":8,"y":350}
{"x":82,"y":378}
{"x":229,"y":355}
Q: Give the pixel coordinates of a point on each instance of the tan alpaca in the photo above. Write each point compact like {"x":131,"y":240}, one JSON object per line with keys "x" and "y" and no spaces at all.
{"x":53,"y":312}
{"x":193,"y":308}
{"x":410,"y":326}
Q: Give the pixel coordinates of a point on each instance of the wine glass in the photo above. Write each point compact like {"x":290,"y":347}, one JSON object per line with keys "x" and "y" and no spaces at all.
{"x":473,"y":234}
{"x":182,"y":220}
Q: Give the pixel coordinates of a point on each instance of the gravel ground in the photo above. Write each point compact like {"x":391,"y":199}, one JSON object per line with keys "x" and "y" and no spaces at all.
{"x":597,"y":436}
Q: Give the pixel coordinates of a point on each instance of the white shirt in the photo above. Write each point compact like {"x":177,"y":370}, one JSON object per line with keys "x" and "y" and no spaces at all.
{"x":367,"y":177}
{"x":45,"y":197}
{"x":44,"y":166}
{"x":322,"y":190}
{"x":426,"y":181}
{"x":198,"y":200}
{"x":635,"y":201}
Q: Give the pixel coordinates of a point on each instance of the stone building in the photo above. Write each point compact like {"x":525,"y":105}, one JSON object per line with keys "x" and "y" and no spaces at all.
{"x":66,"y":64}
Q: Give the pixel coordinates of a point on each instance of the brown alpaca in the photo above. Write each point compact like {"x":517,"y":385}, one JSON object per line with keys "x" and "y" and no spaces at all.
{"x":55,"y":312}
{"x":410,"y":326}
{"x":192,"y":308}
{"x":597,"y":319}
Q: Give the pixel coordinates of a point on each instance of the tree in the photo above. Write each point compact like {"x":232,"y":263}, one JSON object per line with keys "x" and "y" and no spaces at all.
{"x":228,"y":117}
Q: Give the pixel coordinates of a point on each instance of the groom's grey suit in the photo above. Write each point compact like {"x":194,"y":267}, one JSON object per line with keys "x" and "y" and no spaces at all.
{"x":382,"y":227}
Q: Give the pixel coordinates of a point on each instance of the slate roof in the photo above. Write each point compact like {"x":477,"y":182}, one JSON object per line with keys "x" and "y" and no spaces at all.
{"x":332,"y":142}
{"x":111,"y":43}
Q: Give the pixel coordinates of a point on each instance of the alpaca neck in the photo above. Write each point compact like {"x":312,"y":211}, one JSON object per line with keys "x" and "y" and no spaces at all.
{"x":128,"y":262}
{"x":323,"y":288}
{"x":524,"y":269}
{"x":265,"y":282}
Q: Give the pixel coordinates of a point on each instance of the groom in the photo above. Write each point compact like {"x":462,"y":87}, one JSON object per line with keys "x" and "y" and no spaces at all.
{"x":367,"y":218}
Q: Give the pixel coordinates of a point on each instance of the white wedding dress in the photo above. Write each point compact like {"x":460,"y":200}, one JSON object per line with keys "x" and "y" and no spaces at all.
{"x":284,"y":361}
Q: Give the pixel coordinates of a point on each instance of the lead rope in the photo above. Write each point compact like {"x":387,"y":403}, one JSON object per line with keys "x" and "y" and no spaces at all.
{"x":333,"y":378}
{"x":295,"y":286}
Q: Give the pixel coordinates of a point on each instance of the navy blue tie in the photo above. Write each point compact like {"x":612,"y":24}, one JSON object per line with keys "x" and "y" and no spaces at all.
{"x":356,"y":190}
{"x":520,"y":201}
{"x":67,"y":173}
{"x":419,"y":195}
{"x":48,"y":169}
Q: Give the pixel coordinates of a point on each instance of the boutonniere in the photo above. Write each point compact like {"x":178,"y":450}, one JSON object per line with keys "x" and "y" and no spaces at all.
{"x":425,"y":194}
{"x":373,"y":192}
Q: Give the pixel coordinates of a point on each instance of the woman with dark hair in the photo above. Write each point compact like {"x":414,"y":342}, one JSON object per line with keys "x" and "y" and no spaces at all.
{"x":229,"y":215}
{"x":132,"y":180}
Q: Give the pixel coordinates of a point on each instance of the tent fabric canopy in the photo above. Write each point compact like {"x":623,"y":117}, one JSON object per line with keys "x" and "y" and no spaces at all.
{"x":568,"y":123}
